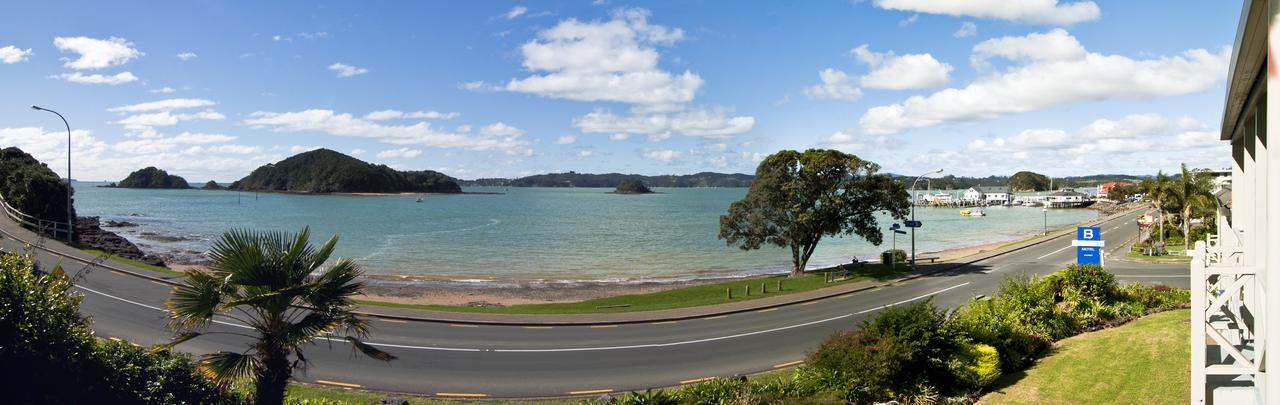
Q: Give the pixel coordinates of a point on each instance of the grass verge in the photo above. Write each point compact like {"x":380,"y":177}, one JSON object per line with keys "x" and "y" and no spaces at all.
{"x":121,"y":260}
{"x":310,"y":394}
{"x":706,"y":294}
{"x":1137,"y":256}
{"x":1144,"y":361}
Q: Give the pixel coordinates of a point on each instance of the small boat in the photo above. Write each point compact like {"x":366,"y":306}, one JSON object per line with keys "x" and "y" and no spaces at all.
{"x":419,"y":199}
{"x":972,"y":213}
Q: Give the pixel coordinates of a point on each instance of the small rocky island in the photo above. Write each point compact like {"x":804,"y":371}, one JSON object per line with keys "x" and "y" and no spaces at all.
{"x":632,"y":186}
{"x":212,"y":185}
{"x":152,"y":177}
{"x":326,"y":171}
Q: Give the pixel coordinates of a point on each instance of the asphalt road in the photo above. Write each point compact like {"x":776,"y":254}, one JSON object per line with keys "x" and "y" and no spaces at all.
{"x":518,"y":361}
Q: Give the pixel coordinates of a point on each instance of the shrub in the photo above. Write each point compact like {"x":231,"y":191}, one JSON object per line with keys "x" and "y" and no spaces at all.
{"x":984,"y":322}
{"x":1090,"y":281}
{"x":893,"y":255}
{"x":136,"y":375}
{"x":923,"y":334}
{"x":976,"y":365}
{"x":648,"y":397}
{"x":719,"y":391}
{"x":859,"y":367}
{"x":1030,"y":307}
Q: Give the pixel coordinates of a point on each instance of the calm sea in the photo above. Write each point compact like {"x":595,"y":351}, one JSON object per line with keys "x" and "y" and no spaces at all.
{"x":525,"y":234}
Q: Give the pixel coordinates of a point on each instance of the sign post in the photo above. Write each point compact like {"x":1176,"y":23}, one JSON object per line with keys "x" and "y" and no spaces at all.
{"x":1089,"y":245}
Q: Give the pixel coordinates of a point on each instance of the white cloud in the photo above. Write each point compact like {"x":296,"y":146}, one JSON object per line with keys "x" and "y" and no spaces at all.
{"x":835,"y":85}
{"x":499,"y":136}
{"x":613,"y":60}
{"x":619,"y":136}
{"x":186,"y":56}
{"x":967,"y":29}
{"x":296,"y":149}
{"x":585,"y":153}
{"x":11,"y":54}
{"x":163,"y":145}
{"x":144,"y":122}
{"x":399,"y":153}
{"x":565,"y":140}
{"x":909,"y":21}
{"x":515,"y":12}
{"x":1103,"y":139}
{"x":1022,"y":11}
{"x":163,"y":90}
{"x":164,"y":105}
{"x":396,"y":114}
{"x":228,"y":149}
{"x":1055,"y":71}
{"x":663,"y":155}
{"x":344,"y":70}
{"x":96,"y":53}
{"x":912,"y":71}
{"x":701,"y":122}
{"x":357,"y":151}
{"x":118,"y":78}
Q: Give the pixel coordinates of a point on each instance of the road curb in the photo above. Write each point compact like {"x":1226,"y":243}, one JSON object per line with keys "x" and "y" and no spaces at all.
{"x":528,"y":319}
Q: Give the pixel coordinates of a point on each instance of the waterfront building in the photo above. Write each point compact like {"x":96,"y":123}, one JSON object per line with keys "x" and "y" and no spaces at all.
{"x":1105,"y":189}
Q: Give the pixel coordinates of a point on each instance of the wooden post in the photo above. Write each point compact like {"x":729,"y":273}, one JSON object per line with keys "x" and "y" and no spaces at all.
{"x":779,"y":285}
{"x":728,"y":293}
{"x":747,"y":288}
{"x":763,"y":290}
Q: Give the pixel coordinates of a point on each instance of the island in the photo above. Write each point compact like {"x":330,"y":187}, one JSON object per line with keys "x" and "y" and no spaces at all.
{"x":632,"y":186}
{"x":212,"y":185}
{"x":324,"y":171}
{"x":575,"y":179}
{"x":151,"y":177}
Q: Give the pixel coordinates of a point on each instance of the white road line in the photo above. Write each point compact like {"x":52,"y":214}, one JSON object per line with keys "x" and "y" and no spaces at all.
{"x":578,"y":349}
{"x":1053,"y":252}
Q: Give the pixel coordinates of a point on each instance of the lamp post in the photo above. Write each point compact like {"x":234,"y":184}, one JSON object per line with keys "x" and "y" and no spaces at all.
{"x":71,"y":222}
{"x":1046,"y":220}
{"x":913,"y":216}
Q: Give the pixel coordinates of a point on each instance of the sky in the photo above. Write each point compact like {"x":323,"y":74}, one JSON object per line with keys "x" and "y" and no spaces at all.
{"x":214,"y":89}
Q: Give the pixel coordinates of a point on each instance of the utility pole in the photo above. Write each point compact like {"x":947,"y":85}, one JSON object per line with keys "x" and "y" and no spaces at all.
{"x":71,"y":221}
{"x":913,"y":216}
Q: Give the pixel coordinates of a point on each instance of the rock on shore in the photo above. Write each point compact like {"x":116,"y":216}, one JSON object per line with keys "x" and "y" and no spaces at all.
{"x":90,"y":232}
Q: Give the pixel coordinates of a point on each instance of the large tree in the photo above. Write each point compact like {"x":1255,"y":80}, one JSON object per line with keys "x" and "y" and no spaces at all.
{"x":1157,"y":189}
{"x":265,"y":281}
{"x":1190,"y":192}
{"x":797,"y":198}
{"x":1028,"y":181}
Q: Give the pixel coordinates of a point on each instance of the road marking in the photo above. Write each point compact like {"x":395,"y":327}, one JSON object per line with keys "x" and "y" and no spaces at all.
{"x":1054,"y":252}
{"x":715,"y":317}
{"x":768,"y":310}
{"x":663,"y":323}
{"x":698,"y":380}
{"x":460,"y":394}
{"x":537,"y":327}
{"x":340,"y":384}
{"x":584,"y":392}
{"x":391,"y":320}
{"x":459,"y":325}
{"x":1153,"y":276}
{"x":808,"y":303}
{"x":788,"y":364}
{"x":603,"y":326}
{"x":159,"y":283}
{"x":913,"y":299}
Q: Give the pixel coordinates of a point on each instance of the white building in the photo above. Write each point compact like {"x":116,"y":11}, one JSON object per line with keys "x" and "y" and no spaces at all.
{"x":990,"y":195}
{"x":1234,"y":299}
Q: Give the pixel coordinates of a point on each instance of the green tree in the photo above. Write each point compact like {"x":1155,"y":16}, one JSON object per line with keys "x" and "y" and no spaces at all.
{"x":1029,"y":181}
{"x":1190,"y":192}
{"x":265,"y":281}
{"x":1158,"y":189}
{"x":797,"y":198}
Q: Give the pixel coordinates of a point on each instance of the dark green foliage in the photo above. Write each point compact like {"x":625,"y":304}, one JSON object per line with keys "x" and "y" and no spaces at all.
{"x":151,"y":177}
{"x":798,"y":198}
{"x":982,"y":321}
{"x":632,"y":186}
{"x":894,"y":256}
{"x":1122,"y":192}
{"x":573,"y":179}
{"x":1028,"y":181}
{"x":326,"y":171}
{"x":860,"y":367}
{"x":212,"y":185}
{"x":31,"y":187}
{"x":648,"y":397}
{"x":50,"y":355}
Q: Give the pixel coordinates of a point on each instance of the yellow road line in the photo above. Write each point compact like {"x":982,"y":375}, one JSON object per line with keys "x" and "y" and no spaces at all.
{"x":809,"y":303}
{"x":603,"y":326}
{"x":537,"y":327}
{"x":460,"y":394}
{"x":340,"y":384}
{"x":697,"y":380}
{"x":459,"y":325}
{"x":788,"y":364}
{"x":663,"y":323}
{"x":392,"y":320}
{"x":590,"y":392}
{"x":715,"y":317}
{"x":768,"y":310}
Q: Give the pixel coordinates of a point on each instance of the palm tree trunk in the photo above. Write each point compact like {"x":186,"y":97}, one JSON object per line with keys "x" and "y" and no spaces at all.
{"x":273,"y":375}
{"x":1186,"y":227}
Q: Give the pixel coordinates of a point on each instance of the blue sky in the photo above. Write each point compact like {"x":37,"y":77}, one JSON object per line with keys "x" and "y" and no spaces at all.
{"x":211,"y":89}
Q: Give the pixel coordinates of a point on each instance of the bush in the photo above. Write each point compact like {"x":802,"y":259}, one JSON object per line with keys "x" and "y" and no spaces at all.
{"x":976,"y":365}
{"x":719,"y":391}
{"x":894,"y":256}
{"x":648,"y":397}
{"x":136,"y":375}
{"x":1090,"y":281}
{"x":984,"y":322}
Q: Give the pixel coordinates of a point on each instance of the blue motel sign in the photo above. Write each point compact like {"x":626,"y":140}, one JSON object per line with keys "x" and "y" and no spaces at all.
{"x":1089,"y":245}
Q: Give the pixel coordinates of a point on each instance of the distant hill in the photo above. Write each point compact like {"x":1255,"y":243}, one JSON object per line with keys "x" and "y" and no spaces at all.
{"x":573,"y":179}
{"x":1022,"y":181}
{"x":151,"y":177}
{"x":326,"y":171}
{"x":632,"y":186}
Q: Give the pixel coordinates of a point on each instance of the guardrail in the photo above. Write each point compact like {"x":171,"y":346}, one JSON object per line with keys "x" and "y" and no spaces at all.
{"x":41,"y":226}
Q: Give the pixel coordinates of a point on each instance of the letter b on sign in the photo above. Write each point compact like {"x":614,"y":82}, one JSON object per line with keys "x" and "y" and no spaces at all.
{"x":1088,"y":233}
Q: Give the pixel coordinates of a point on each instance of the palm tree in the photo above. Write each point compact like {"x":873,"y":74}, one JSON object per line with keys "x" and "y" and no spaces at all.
{"x":1158,"y":190}
{"x":266,"y":281}
{"x":1193,"y":191}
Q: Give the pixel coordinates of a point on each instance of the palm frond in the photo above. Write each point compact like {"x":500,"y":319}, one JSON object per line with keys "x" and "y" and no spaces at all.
{"x":227,"y":367}
{"x":367,"y":350}
{"x":177,"y":340}
{"x":193,"y":303}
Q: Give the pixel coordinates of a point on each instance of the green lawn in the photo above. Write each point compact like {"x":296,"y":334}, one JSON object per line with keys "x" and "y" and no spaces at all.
{"x":707,"y":294}
{"x":1158,"y":259}
{"x":1143,"y":362}
{"x":121,"y":260}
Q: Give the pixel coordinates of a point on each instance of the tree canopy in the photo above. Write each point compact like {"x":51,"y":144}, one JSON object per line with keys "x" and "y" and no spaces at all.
{"x":31,"y":187}
{"x":327,"y":171}
{"x":1028,"y":181}
{"x":151,"y":177}
{"x":798,"y":198}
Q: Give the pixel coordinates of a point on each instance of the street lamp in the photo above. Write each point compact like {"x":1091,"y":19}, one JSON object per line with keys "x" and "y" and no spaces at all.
{"x":1046,"y":220}
{"x":71,"y":222}
{"x":913,"y":216}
